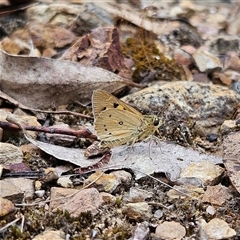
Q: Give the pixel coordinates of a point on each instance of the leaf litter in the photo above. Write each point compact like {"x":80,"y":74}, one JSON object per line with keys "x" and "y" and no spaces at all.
{"x":55,"y":82}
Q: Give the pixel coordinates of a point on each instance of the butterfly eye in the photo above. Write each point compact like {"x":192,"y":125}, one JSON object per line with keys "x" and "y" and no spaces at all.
{"x":156,"y":122}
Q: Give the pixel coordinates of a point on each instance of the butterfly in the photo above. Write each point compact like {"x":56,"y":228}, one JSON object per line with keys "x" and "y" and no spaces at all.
{"x":116,"y":123}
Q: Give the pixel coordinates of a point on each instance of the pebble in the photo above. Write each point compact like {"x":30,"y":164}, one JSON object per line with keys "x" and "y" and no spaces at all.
{"x":228,"y":126}
{"x":108,"y":198}
{"x":211,"y":210}
{"x":137,"y":211}
{"x":11,"y":191}
{"x":40,"y":193}
{"x":170,"y":231}
{"x":140,"y":231}
{"x":189,"y":190}
{"x":208,"y":172}
{"x":158,"y":214}
{"x":217,"y":229}
{"x":10,"y":154}
{"x":65,"y":182}
{"x":50,"y":174}
{"x":37,"y":185}
{"x":50,"y":235}
{"x":206,"y":62}
{"x":78,"y":201}
{"x":216,"y":195}
{"x":107,"y":182}
{"x":6,"y":206}
{"x":137,"y":195}
{"x":123,"y":176}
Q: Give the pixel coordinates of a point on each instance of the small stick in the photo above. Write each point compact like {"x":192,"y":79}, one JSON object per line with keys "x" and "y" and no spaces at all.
{"x":9,"y":224}
{"x":82,"y":133}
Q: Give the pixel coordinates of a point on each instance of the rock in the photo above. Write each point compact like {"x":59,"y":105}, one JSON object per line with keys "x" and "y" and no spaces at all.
{"x":50,"y":235}
{"x":123,"y":176}
{"x":232,"y":61}
{"x":223,"y":44}
{"x":217,"y":229}
{"x":216,"y":195}
{"x":140,"y":232}
{"x":45,"y":36}
{"x":59,"y":194}
{"x":185,"y":191}
{"x":10,"y":46}
{"x":78,"y":201}
{"x":183,"y":58}
{"x":107,"y":182}
{"x":211,"y":210}
{"x":137,"y":211}
{"x":158,"y":213}
{"x":40,"y":193}
{"x":10,"y":154}
{"x":30,"y":149}
{"x":6,"y":206}
{"x":25,"y":185}
{"x":49,"y":52}
{"x":108,"y":198}
{"x":206,"y":62}
{"x":201,"y":77}
{"x":170,"y":231}
{"x":231,"y":156}
{"x":208,"y":172}
{"x":228,"y":126}
{"x":11,"y":192}
{"x":37,"y":185}
{"x":50,"y":174}
{"x":181,"y":99}
{"x":138,"y":195}
{"x":65,"y":182}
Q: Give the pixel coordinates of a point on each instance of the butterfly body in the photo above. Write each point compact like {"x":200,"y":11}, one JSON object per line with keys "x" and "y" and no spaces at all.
{"x":117,"y":123}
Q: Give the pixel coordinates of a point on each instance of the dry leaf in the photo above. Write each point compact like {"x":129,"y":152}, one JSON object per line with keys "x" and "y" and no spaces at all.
{"x":45,"y":83}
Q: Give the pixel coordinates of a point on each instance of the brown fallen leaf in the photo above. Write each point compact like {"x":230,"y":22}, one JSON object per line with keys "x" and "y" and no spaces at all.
{"x":101,"y":48}
{"x":45,"y":83}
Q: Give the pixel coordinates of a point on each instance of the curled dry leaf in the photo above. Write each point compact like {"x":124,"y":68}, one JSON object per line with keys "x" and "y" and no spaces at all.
{"x":101,"y":48}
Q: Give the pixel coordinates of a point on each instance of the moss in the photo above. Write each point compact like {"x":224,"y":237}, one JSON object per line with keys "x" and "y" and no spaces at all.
{"x":37,"y":220}
{"x":150,"y":63}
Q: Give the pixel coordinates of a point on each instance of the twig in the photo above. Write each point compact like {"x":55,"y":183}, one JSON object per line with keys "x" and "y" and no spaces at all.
{"x":9,"y":224}
{"x":22,"y":106}
{"x":82,"y":133}
{"x":59,"y":112}
{"x":22,"y":223}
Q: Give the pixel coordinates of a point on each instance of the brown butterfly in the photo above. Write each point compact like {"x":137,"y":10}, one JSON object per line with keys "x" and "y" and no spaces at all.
{"x":117,"y":123}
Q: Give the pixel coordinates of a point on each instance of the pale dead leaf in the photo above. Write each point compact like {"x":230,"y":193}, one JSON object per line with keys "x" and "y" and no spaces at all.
{"x":72,"y":155}
{"x":143,"y":158}
{"x":149,"y":158}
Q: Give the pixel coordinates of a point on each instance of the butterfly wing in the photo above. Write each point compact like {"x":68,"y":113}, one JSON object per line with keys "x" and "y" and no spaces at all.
{"x":102,"y":100}
{"x":115,"y":127}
